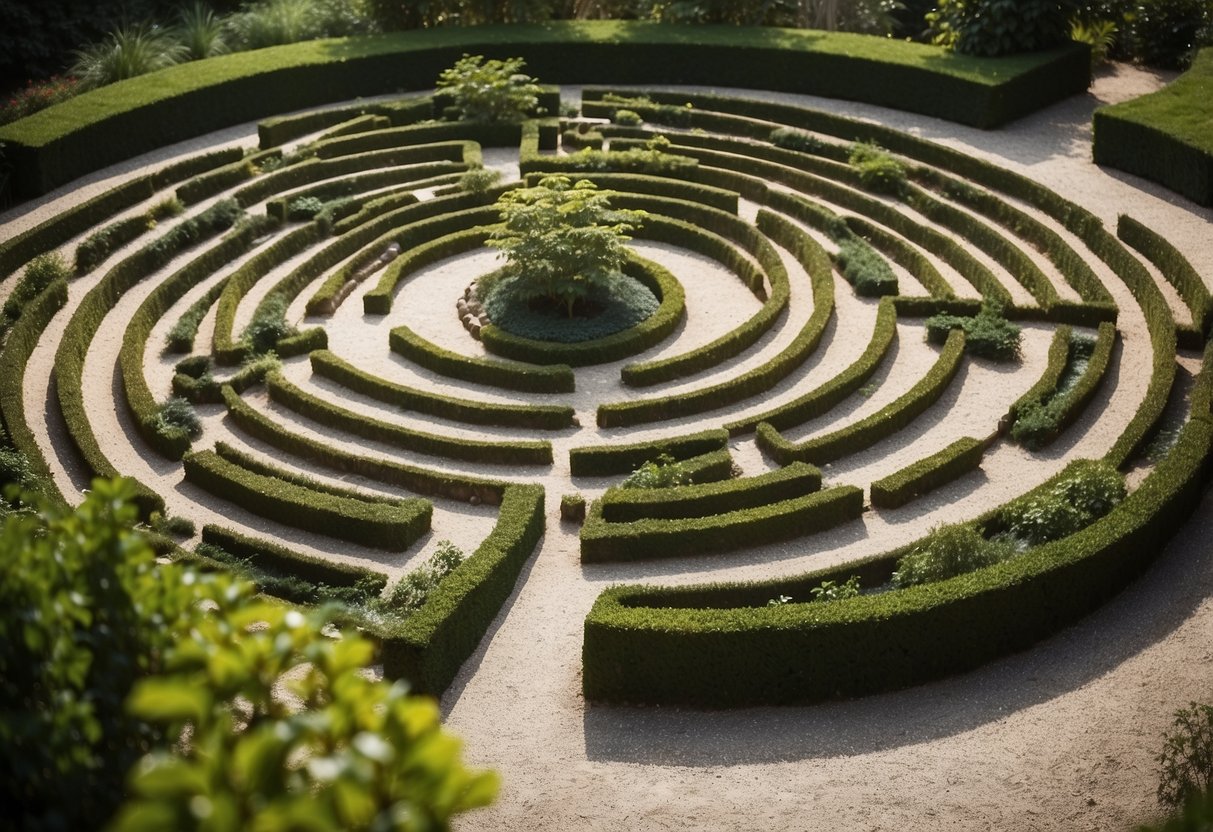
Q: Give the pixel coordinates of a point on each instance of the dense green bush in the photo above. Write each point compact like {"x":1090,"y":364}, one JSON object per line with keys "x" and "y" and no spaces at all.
{"x":864,"y":269}
{"x":662,"y":472}
{"x":947,"y":552}
{"x":411,"y":592}
{"x":1169,"y":33}
{"x":1000,"y":27}
{"x":1085,"y":491}
{"x":793,"y":139}
{"x":988,"y":334}
{"x":492,"y":90}
{"x":41,"y":272}
{"x":620,"y":302}
{"x":878,"y":170}
{"x":268,"y":327}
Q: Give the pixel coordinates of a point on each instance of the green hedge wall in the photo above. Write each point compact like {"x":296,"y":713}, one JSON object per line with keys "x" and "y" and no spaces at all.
{"x":274,"y":558}
{"x":829,"y":394}
{"x":900,"y":487}
{"x":623,"y":505}
{"x":412,"y":477}
{"x":760,"y":379}
{"x":1045,"y":386}
{"x":132,"y":117}
{"x":393,"y":528}
{"x":532,"y":416}
{"x":721,"y":646}
{"x":530,"y":378}
{"x":649,"y":332}
{"x":603,"y":541}
{"x":884,"y":423}
{"x":433,"y":643}
{"x":257,"y":465}
{"x":1164,"y":136}
{"x":278,"y":130}
{"x":489,"y":451}
{"x":1177,"y":271}
{"x":15,"y":355}
{"x":609,"y":460}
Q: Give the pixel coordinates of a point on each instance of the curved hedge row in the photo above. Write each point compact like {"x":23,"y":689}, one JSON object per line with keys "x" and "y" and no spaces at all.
{"x":430,"y":646}
{"x":271,"y":557}
{"x":122,"y":120}
{"x":649,"y":332}
{"x":414,"y":478}
{"x":721,"y":646}
{"x":530,"y":378}
{"x":535,"y":416}
{"x":608,"y":460}
{"x":881,"y":424}
{"x":1177,"y":271}
{"x":645,"y":538}
{"x":911,"y":482}
{"x":491,"y":451}
{"x":393,"y":528}
{"x":623,"y":505}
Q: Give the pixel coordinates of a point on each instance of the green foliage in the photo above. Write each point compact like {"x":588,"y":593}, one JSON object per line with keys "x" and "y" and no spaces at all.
{"x":174,"y":525}
{"x":1195,"y":815}
{"x":1168,"y":33}
{"x":165,"y":208}
{"x":792,"y":139}
{"x":177,"y":416}
{"x":902,"y":486}
{"x":200,"y":31}
{"x":128,"y":51}
{"x":834,"y":591}
{"x":616,"y":303}
{"x":1100,"y":35}
{"x":99,"y":245}
{"x":627,"y":118}
{"x":304,"y":208}
{"x":490,"y":91}
{"x":561,"y":239}
{"x":1000,"y":27}
{"x":1086,"y":491}
{"x":878,"y":170}
{"x":41,"y":272}
{"x":987,"y":335}
{"x":1186,"y":760}
{"x":947,"y":552}
{"x":410,"y":594}
{"x":662,"y":472}
{"x":268,"y":326}
{"x":273,"y":22}
{"x":479,"y":180}
{"x":87,"y":613}
{"x":864,"y":269}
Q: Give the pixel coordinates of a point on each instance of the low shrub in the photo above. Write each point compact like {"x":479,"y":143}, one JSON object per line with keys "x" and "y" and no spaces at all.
{"x":627,"y":118}
{"x":479,"y":180}
{"x":833,"y":591}
{"x":410,"y":594}
{"x":662,"y":472}
{"x":490,"y":91}
{"x":864,"y":269}
{"x":987,"y":335}
{"x":878,"y":170}
{"x":304,"y":209}
{"x":177,"y":417}
{"x":268,"y":326}
{"x":572,"y":508}
{"x":622,"y":302}
{"x":1085,"y":491}
{"x":99,"y":245}
{"x":40,"y":272}
{"x":790,"y":138}
{"x":947,"y":552}
{"x":609,"y":460}
{"x":1186,"y":761}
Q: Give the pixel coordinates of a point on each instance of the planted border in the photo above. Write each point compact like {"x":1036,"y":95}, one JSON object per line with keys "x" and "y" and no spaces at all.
{"x":609,"y":460}
{"x":938,"y":469}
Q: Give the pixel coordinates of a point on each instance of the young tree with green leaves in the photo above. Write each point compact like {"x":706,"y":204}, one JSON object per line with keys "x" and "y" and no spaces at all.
{"x":562,"y":239}
{"x":492,"y":91}
{"x":108,"y":659}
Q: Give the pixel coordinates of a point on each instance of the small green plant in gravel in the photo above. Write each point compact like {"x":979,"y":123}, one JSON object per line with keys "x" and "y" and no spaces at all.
{"x":1186,"y":761}
{"x":834,"y":591}
{"x":988,"y":334}
{"x":177,"y":417}
{"x":410,"y":594}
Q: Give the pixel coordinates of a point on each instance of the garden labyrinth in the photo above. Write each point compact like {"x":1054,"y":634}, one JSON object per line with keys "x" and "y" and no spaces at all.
{"x":787,"y":377}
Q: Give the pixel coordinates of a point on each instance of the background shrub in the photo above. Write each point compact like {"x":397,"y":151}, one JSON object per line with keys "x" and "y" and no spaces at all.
{"x":1000,"y":27}
{"x":1168,"y":33}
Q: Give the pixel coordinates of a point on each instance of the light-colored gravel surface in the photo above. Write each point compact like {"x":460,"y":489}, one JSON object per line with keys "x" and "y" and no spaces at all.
{"x":1061,"y":737}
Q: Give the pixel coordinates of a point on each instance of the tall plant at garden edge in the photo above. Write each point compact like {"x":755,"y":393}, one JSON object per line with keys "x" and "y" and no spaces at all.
{"x":1001,"y":27}
{"x":105,"y":655}
{"x":562,"y":239}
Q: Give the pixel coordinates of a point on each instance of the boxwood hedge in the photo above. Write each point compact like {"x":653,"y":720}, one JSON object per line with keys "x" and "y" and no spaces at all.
{"x":900,"y":487}
{"x":531,"y":378}
{"x":608,"y":460}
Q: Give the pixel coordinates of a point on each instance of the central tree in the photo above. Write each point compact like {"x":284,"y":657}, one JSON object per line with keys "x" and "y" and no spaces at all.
{"x":562,"y":240}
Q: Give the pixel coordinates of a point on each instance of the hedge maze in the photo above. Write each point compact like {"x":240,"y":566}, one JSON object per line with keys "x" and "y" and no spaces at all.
{"x":835,"y":297}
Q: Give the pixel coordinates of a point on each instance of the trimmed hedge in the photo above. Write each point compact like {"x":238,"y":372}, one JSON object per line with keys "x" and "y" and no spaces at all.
{"x":251,"y":463}
{"x":649,"y":332}
{"x":603,"y":541}
{"x":1045,"y":386}
{"x":900,"y":487}
{"x":122,"y":120}
{"x":622,"y":505}
{"x":530,"y":378}
{"x":411,"y":477}
{"x":884,"y":423}
{"x":816,"y":402}
{"x":533,"y":416}
{"x":15,"y":355}
{"x":1063,"y":409}
{"x":493,"y":451}
{"x":428,"y":242}
{"x":276,"y":559}
{"x":432,"y":644}
{"x":609,"y":460}
{"x":1164,"y":136}
{"x":761,"y":379}
{"x":721,"y":646}
{"x":279,"y":130}
{"x":660,"y":186}
{"x":393,"y":528}
{"x":1177,"y":271}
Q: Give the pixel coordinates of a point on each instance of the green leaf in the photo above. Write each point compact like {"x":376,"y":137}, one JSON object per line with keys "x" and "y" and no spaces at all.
{"x":170,"y":700}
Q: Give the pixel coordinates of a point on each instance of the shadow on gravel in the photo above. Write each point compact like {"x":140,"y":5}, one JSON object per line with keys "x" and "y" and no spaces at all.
{"x":1145,"y":613}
